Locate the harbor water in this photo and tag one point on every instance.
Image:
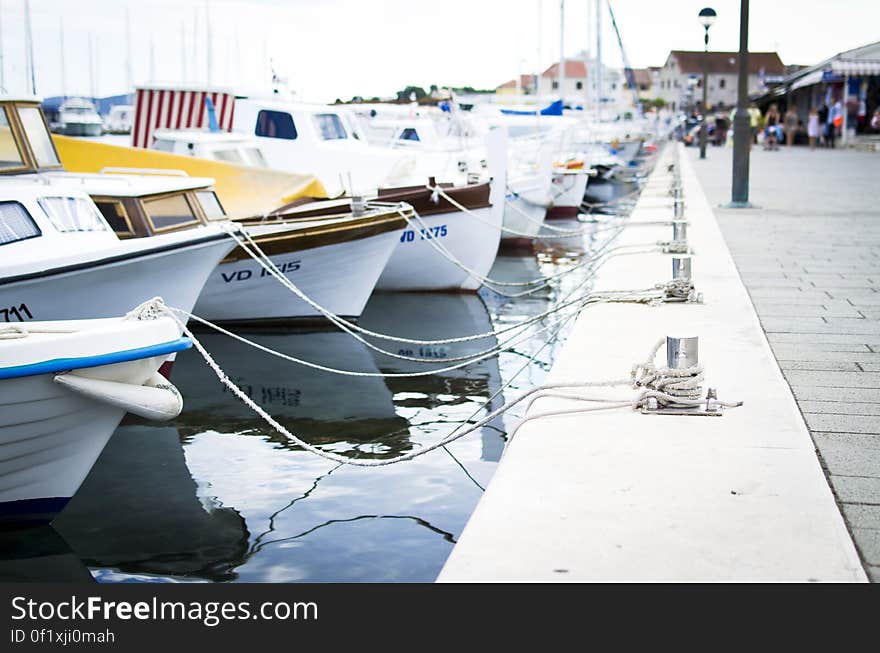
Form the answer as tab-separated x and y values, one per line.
217	495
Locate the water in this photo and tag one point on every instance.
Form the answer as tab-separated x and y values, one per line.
218	496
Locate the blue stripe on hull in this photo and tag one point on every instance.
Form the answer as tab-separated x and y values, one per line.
31	511
65	364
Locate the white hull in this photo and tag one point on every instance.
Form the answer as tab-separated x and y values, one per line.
113	288
417	265
49	440
569	189
525	209
339	277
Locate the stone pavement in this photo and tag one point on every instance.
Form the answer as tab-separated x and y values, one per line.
810	259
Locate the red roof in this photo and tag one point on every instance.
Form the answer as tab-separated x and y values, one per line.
573	68
725	62
525	81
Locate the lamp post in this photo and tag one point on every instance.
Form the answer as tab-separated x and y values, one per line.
707	18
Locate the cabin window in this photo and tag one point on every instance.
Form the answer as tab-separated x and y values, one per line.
16	224
38	137
330	127
163	145
10	156
254	157
409	134
72	214
211	205
275	124
115	215
229	156
169	211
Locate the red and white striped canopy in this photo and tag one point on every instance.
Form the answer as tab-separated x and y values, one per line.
157	108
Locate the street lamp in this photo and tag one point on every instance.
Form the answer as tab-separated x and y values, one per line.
707	18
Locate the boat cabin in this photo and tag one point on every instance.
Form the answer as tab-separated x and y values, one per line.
218	146
133	204
65	222
295	136
25	142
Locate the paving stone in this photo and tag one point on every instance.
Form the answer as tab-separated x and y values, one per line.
873	574
810	392
861	516
849	353
856	489
840	407
835	379
868	544
870	367
806	310
827	366
849	454
843	423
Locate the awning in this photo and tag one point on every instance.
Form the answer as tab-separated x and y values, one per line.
856	66
808	80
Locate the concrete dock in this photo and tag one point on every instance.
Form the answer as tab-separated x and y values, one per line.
810	259
622	496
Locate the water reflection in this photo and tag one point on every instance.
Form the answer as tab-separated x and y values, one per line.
219	495
139	512
39	554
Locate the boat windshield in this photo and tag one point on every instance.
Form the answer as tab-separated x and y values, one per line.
73	214
211	205
16	224
330	127
169	211
10	155
38	136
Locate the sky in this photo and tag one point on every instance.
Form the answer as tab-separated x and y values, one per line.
330	49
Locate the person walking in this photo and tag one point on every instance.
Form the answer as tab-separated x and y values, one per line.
823	124
813	127
771	120
791	123
754	122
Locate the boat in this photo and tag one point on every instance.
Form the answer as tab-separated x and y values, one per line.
60	259
64	387
334	259
120	119
470	236
570	181
78	117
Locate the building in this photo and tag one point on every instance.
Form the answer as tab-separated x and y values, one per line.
576	85
680	79
527	86
852	77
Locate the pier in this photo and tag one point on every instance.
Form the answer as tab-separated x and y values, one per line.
809	256
623	496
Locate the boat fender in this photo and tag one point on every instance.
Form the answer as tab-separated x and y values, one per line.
156	399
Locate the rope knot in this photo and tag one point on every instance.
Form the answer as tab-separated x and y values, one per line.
151	309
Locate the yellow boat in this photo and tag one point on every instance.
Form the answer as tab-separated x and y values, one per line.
244	191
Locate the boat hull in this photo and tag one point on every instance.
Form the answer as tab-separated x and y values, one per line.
568	191
50	438
340	277
416	264
111	287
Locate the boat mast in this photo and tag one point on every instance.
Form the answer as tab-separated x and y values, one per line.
560	73
208	51
587	65
129	78
63	66
29	44
183	51
2	71
599	59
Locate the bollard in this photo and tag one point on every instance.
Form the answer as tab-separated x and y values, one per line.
358	205
682	352
681	268
679	231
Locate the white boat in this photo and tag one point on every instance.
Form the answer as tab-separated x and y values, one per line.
78	117
64	387
527	201
59	258
569	186
334	260
120	119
